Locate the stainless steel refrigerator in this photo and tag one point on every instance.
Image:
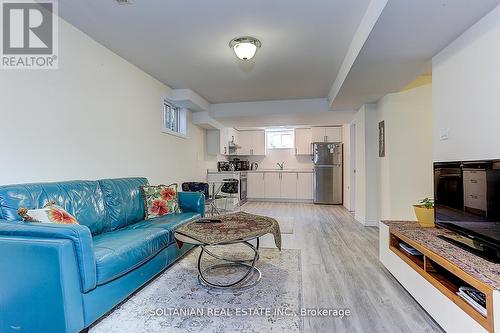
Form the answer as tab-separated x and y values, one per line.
327	158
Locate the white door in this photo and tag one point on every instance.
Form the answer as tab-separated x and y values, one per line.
288	185
303	139
255	185
245	141
258	143
318	134
304	186
272	185
333	134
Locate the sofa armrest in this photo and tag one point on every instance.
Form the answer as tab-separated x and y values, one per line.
39	286
78	234
192	202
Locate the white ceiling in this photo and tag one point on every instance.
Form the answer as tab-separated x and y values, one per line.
184	43
402	43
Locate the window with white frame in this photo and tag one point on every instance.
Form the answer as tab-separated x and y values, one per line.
174	119
280	139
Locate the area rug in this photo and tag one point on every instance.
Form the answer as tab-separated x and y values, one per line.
175	301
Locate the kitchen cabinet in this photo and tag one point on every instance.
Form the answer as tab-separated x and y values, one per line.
252	143
255	185
272	185
283	186
245	141
333	134
218	140
303	140
259	143
288	185
304	186
326	134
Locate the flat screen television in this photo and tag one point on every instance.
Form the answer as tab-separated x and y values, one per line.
467	201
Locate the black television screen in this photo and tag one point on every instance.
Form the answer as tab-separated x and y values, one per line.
467	201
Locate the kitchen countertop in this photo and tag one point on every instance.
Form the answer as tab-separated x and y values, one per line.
267	170
283	171
481	269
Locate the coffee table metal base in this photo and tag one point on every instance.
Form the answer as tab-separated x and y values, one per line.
248	280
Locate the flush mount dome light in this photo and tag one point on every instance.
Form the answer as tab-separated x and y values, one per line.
245	47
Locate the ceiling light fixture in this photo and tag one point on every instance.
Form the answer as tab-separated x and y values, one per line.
245	47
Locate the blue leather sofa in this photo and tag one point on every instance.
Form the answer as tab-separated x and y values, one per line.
62	278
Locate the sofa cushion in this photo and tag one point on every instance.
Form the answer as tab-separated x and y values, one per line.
168	222
160	200
124	200
50	213
120	251
82	199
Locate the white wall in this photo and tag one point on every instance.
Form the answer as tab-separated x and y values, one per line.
294	112
96	116
264	108
288	156
295	119
405	173
466	86
366	192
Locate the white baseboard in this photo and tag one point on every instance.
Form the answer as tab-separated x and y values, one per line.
371	223
366	223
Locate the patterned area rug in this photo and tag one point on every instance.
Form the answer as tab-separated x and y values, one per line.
175	301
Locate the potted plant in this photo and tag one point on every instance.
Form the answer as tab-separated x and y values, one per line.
425	212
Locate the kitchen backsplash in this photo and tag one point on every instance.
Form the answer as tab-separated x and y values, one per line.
274	156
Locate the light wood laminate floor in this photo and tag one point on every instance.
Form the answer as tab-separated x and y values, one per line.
340	269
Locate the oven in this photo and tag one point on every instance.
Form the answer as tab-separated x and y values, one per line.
243	187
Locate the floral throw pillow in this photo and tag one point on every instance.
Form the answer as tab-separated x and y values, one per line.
160	200
50	213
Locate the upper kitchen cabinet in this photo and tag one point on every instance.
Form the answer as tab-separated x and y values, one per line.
252	143
218	141
303	140
327	134
245	141
259	143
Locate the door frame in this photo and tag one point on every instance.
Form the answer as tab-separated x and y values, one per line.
352	165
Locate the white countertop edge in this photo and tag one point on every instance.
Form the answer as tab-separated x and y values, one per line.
265	171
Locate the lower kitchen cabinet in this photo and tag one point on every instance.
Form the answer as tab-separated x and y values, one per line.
255	185
288	185
281	186
272	185
304	186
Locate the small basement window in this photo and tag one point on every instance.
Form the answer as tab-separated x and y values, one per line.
174	120
281	139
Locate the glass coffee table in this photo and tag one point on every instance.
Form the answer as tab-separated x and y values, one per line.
235	228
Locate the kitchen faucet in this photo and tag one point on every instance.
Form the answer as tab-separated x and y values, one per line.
281	165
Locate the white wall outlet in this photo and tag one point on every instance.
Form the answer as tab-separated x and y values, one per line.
444	134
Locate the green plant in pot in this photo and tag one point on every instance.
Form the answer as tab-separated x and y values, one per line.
424	211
